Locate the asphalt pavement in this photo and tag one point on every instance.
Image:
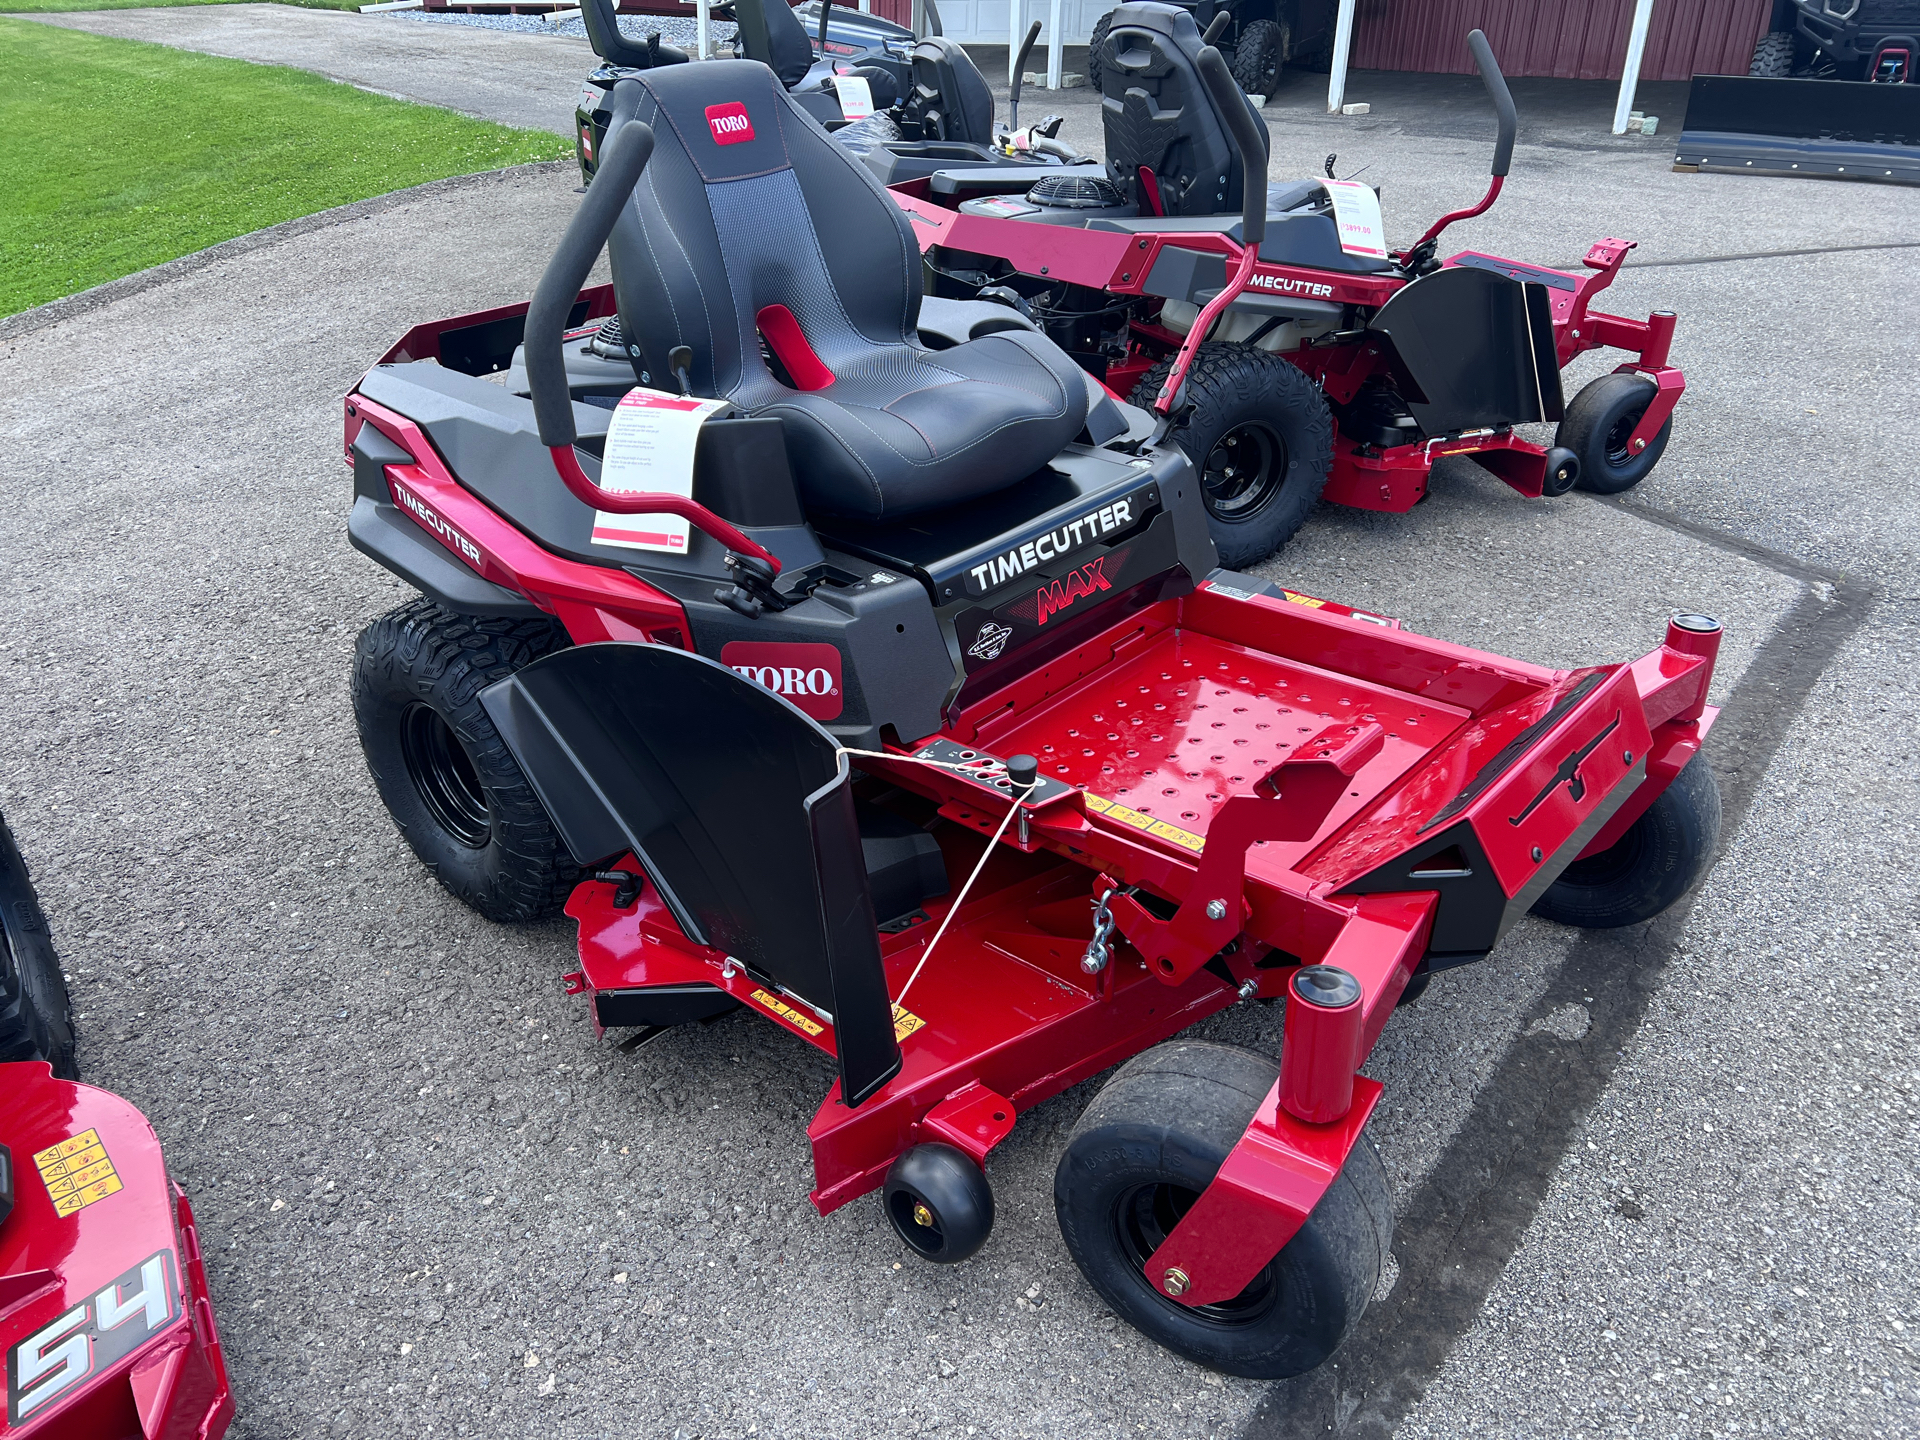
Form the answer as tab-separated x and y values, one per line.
1657	1183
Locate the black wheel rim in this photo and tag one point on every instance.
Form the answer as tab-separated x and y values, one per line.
1618	456
1244	471
445	777
1142	1221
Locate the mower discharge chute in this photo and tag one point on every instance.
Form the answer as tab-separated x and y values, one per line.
944	745
1293	354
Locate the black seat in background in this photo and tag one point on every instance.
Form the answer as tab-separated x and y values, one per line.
950	98
750	222
736	804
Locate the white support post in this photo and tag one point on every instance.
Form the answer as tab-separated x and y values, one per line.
1014	37
1056	50
866	7
702	15
1342	47
1630	72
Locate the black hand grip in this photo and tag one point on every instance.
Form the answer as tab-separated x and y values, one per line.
826	14
1019	68
1238	114
622	159
1502	98
1216	27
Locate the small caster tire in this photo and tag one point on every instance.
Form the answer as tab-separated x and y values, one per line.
1562	472
1659	859
1598	428
1139	1157
939	1202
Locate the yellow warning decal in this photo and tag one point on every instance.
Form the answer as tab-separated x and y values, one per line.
77	1172
905	1022
788	1013
1297	598
1186	839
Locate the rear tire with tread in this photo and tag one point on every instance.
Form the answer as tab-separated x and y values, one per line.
1260	57
36	1018
1096	40
454	790
1773	56
1238	396
1150	1142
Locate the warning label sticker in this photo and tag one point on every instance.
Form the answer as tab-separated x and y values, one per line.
649	447
1160	829
797	1018
905	1022
77	1172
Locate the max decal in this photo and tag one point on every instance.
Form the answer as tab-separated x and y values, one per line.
1076	585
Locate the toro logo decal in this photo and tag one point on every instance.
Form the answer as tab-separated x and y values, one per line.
807	675
1073	587
729	123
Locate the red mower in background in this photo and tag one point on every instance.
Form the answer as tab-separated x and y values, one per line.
105	1319
942	744
1290	354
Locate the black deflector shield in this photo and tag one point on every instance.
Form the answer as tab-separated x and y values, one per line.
738	806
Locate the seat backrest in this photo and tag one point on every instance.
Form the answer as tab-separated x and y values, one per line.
1159	115
748	214
771	33
950	97
739	808
603	33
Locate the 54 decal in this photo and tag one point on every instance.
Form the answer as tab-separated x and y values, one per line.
91	1337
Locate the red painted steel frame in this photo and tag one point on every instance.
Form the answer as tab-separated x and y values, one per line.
1310	743
55	1267
1363	477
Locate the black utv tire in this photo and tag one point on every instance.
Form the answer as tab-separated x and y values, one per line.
453	788
1597	427
1773	56
1096	42
1146	1147
1243	403
1659	859
1259	57
36	1019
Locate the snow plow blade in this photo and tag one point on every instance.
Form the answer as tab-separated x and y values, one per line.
1841	129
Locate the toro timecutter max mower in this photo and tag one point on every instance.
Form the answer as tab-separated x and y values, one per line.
1291	354
938	740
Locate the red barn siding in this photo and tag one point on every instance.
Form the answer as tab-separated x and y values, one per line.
1566	39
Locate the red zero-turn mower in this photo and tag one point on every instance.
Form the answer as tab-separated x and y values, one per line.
944	747
1294	355
104	1314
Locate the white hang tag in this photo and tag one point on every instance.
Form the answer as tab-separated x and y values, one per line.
855	95
1356	215
650	446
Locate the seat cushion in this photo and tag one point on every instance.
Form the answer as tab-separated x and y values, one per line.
901	429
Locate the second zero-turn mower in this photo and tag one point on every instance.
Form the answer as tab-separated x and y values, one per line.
1292	353
943	746
106	1325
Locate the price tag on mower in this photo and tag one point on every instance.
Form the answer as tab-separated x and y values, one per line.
855	96
650	446
1356	215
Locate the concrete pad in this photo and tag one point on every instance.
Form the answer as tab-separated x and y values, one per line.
528	81
398	1131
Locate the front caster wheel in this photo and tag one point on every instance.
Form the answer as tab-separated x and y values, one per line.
939	1203
1139	1157
1598	429
1658	860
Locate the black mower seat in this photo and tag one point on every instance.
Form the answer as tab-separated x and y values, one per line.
751	225
950	97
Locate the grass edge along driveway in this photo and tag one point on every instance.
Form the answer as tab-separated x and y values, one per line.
119	155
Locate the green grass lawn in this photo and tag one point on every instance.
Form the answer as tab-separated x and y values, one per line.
118	155
44	7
